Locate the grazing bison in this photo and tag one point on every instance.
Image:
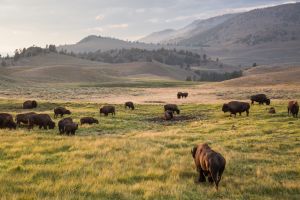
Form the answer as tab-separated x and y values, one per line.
172	107
29	104
293	108
88	120
168	115
236	107
41	120
129	105
272	110
7	121
261	99
182	95
23	118
70	128
62	123
208	163
108	109
61	111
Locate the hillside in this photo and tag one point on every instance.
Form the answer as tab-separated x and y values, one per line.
52	68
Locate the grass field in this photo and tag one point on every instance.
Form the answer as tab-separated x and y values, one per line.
136	155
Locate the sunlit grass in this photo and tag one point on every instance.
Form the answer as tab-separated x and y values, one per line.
131	157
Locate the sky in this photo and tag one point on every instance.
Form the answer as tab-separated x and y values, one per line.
24	23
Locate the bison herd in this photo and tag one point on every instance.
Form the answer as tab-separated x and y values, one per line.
209	164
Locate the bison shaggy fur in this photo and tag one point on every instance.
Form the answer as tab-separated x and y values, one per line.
107	110
236	107
88	120
70	128
24	118
209	164
293	108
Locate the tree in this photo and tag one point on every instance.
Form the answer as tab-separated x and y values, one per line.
3	63
17	55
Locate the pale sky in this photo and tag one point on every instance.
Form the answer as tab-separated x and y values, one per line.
39	22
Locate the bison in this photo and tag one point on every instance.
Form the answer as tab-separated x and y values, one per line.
236	107
172	107
108	109
182	95
168	115
62	123
129	105
61	111
272	110
88	120
23	118
7	121
30	104
70	128
261	99
293	108
41	120
208	163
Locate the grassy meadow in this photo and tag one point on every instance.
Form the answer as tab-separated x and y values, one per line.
137	155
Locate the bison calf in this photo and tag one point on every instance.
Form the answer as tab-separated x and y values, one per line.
7	121
208	163
107	110
169	115
61	111
29	104
272	110
236	107
129	105
88	120
172	107
293	108
261	99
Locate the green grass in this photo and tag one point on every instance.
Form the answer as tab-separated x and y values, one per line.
132	156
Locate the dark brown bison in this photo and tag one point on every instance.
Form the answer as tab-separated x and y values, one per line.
236	107
169	115
30	104
7	121
41	120
129	105
293	108
62	123
23	118
70	128
172	107
261	99
88	120
108	109
272	110
61	111
182	95
208	163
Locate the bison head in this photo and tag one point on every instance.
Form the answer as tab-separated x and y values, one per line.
178	111
268	101
68	112
101	110
96	121
12	125
34	104
193	151
225	108
51	125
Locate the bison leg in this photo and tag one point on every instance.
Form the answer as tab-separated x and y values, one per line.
201	178
247	111
210	179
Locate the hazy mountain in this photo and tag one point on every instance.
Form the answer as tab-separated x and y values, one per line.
94	43
158	37
268	25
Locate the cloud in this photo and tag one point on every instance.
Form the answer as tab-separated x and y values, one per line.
118	26
140	10
99	17
153	20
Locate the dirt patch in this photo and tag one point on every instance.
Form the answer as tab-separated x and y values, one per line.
177	119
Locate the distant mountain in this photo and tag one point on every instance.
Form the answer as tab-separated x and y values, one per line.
196	27
94	43
268	25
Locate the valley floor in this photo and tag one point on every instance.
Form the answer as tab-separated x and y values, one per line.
137	155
